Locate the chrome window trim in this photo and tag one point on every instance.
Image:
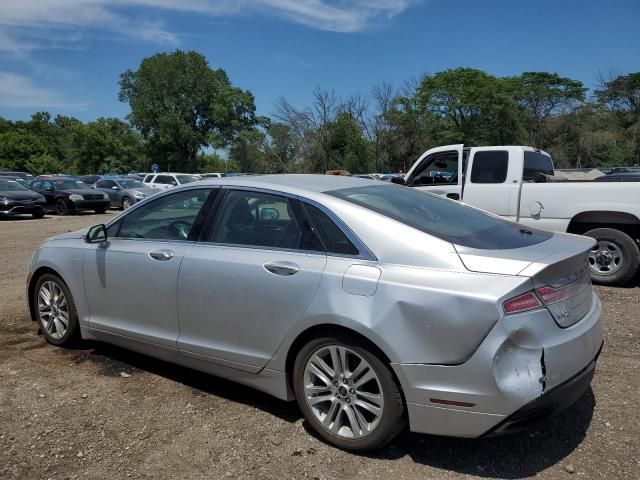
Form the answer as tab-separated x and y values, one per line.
364	252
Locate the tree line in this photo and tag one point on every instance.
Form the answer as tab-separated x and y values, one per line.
183	113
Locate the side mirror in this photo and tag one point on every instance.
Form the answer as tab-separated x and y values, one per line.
48	189
115	187
398	180
96	234
174	183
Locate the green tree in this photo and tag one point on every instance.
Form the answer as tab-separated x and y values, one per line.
541	95
45	163
348	148
181	105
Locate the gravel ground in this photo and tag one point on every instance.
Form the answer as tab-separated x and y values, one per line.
102	412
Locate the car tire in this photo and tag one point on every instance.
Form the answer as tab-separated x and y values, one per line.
101	210
38	215
126	203
349	400
615	259
61	207
52	317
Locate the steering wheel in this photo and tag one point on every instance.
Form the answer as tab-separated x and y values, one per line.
180	229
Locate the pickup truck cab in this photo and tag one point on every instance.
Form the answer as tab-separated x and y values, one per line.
517	183
164	181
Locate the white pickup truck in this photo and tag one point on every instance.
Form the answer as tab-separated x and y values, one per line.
516	183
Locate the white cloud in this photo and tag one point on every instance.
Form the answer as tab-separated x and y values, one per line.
34	24
18	91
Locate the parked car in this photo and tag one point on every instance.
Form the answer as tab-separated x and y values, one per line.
66	195
124	192
518	183
211	175
24	175
370	303
90	179
163	181
15	199
620	177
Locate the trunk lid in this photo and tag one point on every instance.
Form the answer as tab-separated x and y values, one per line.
557	267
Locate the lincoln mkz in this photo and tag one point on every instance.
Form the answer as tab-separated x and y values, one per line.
373	305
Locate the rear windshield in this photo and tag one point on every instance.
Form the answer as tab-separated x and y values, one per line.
536	163
442	218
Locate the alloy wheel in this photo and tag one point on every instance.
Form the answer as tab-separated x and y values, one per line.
53	309
126	203
343	392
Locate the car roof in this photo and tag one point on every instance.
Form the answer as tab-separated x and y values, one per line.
295	183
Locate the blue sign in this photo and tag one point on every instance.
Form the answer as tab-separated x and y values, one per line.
155	168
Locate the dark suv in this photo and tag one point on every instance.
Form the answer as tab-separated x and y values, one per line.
67	195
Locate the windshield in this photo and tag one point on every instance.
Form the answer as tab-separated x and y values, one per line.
69	184
130	184
187	178
10	186
442	218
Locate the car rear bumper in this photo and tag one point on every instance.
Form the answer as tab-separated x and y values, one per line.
524	366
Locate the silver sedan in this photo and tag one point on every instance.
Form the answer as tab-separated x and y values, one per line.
371	304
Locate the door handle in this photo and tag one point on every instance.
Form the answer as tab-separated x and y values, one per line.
453	196
161	255
284	269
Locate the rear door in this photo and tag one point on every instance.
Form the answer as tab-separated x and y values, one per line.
492	182
246	284
440	171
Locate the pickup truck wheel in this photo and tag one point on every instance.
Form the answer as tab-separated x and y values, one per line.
615	258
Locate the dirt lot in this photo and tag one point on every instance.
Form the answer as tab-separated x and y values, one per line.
73	414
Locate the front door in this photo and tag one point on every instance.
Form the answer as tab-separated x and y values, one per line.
241	291
440	171
131	280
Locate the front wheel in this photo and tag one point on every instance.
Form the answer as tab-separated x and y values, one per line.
347	393
55	311
61	207
126	203
101	210
38	214
615	258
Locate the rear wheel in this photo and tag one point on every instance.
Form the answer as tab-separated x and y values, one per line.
55	311
61	207
615	258
347	393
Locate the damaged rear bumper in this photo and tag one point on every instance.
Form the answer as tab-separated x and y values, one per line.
550	403
524	367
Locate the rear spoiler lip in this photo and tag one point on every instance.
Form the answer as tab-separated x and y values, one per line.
510	261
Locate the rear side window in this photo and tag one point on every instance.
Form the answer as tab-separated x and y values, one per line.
331	235
536	165
165	179
148	178
490	166
442	218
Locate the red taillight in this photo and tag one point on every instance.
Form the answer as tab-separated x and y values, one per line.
552	295
522	303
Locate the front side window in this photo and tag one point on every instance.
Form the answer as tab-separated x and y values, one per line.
442	218
168	218
148	178
262	220
440	168
490	166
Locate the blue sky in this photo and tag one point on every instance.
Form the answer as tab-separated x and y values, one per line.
65	56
